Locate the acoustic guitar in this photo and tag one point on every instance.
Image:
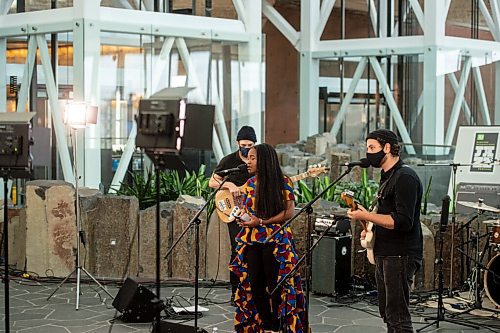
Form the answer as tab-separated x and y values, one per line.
369	242
228	206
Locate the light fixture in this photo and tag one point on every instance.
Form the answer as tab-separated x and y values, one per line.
79	114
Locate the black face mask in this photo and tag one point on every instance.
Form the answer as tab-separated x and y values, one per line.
244	151
376	158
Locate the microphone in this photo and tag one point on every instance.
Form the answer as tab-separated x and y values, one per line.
445	212
363	163
238	169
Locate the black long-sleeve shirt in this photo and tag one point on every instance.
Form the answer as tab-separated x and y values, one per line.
400	195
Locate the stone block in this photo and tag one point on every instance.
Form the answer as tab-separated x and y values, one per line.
111	225
218	249
424	279
147	241
299	162
17	236
318	143
337	161
50	227
184	253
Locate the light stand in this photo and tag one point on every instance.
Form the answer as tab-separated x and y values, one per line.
163	131
79	237
307	208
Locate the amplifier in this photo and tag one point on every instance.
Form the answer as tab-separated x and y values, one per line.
341	225
331	265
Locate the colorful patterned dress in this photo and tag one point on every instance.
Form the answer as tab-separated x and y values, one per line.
247	319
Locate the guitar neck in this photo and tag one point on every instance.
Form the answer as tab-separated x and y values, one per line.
300	176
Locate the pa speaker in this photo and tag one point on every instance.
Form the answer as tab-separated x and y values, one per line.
135	302
168	327
331	265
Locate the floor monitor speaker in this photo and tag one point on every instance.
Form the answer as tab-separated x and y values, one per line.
135	302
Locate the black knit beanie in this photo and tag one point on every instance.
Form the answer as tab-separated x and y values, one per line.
246	133
383	136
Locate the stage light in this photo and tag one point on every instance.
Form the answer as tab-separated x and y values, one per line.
79	114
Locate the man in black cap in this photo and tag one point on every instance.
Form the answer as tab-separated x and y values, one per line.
398	245
245	139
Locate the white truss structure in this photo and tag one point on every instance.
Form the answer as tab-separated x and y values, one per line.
441	56
88	20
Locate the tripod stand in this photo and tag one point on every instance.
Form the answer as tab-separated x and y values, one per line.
441	311
79	237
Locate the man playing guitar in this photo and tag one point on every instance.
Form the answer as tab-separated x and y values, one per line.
398	249
245	139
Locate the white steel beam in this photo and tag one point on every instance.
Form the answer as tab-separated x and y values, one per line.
348	96
386	10
465	106
369	47
5	6
309	70
373	15
281	23
481	95
251	67
149	5
393	107
434	88
455	110
86	57
167	24
87	8
420	106
27	75
57	117
489	20
240	10
23	24
419	14
162	63
122	168
496	15
472	47
325	12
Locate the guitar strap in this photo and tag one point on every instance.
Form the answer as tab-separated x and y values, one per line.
380	194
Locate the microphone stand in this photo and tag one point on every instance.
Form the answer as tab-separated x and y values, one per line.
454	167
195	221
307	208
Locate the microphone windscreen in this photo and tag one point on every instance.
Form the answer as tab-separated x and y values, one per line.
445	213
365	163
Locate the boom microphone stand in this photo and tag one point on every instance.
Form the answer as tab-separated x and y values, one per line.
195	221
439	261
454	167
307	255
